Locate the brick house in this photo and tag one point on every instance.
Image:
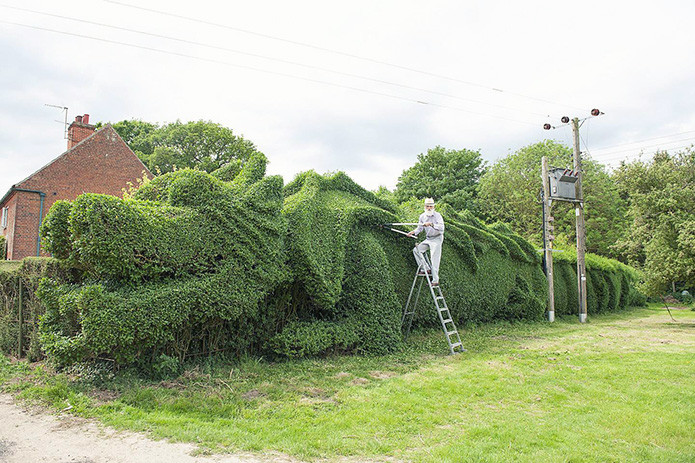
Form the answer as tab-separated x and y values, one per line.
97	161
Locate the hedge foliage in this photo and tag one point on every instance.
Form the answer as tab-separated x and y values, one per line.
344	296
25	275
610	285
185	267
194	263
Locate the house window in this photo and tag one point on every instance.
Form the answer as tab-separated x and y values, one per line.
5	211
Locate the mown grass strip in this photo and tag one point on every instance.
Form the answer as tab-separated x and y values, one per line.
618	388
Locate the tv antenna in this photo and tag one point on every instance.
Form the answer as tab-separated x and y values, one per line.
65	122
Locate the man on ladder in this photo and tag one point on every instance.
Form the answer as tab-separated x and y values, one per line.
432	222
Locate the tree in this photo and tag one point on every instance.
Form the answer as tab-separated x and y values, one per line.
509	192
450	176
661	241
200	145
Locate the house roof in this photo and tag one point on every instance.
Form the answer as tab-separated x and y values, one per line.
108	126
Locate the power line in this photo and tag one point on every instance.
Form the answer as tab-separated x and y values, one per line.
645	146
646	139
613	159
251	68
255	55
337	52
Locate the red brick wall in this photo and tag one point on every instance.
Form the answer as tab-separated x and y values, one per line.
22	225
103	163
8	232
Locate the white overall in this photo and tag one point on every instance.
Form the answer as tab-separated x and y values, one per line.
435	247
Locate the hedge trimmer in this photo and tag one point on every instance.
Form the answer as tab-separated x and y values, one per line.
389	226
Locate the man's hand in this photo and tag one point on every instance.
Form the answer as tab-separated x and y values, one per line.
410	234
427	224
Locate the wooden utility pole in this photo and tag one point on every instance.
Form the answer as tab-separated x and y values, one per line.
548	240
581	231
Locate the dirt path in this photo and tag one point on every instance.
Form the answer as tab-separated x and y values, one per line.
33	436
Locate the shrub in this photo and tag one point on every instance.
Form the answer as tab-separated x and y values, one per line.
353	277
194	263
184	267
27	275
610	284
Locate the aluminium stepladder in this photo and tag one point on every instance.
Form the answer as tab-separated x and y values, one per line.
450	331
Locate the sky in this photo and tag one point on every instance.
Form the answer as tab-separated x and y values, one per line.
362	87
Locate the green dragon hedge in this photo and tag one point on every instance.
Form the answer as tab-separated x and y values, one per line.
196	263
187	266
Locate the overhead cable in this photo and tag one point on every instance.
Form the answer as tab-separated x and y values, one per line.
252	68
281	60
337	52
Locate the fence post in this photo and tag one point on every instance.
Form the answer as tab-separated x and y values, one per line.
20	316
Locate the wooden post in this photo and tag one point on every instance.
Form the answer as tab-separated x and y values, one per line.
547	240
581	231
20	316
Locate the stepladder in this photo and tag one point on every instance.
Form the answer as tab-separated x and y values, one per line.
424	276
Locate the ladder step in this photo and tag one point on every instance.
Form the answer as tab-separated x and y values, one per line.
442	309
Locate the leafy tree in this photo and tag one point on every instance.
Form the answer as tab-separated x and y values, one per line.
137	134
661	241
450	176
201	145
510	192
385	194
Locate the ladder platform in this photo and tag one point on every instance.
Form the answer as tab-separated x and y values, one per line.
453	338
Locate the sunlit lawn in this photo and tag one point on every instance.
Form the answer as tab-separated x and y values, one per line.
619	388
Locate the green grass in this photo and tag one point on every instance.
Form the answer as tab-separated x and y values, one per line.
620	388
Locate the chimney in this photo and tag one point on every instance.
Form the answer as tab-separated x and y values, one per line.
79	130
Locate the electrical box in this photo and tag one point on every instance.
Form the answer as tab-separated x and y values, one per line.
562	183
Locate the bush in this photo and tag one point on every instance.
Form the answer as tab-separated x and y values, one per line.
683	296
610	285
185	267
194	263
27	275
353	277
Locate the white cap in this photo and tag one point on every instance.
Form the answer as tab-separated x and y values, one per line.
429	202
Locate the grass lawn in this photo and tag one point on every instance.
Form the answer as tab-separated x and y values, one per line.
619	388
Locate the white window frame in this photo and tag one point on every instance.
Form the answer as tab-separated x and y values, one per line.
5	213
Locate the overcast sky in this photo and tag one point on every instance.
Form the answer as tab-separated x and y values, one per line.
361	86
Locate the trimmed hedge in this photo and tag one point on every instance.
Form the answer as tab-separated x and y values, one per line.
344	296
354	277
610	285
194	263
185	267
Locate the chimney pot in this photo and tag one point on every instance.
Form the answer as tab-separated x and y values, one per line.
79	130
